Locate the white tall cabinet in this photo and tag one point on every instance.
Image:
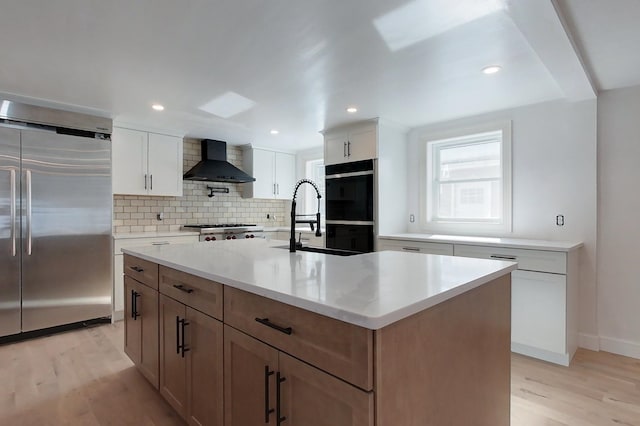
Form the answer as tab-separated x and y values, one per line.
146	163
354	143
275	173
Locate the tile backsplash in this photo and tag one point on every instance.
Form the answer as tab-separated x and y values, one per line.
138	213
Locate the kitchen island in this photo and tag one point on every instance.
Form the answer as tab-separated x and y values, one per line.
252	334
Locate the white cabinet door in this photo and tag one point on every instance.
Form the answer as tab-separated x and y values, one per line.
129	161
538	311
335	148
362	144
165	165
263	171
285	175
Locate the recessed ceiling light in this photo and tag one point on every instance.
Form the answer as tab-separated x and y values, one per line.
274	132
157	107
351	110
491	69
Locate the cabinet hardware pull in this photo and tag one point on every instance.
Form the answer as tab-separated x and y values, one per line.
274	189
267	410
137	269
277	189
183	346
180	346
344	149
160	243
151	182
503	257
181	287
145	181
265	321
279	418
177	334
411	248
348	149
134	304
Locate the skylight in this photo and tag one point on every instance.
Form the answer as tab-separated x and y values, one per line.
423	19
228	105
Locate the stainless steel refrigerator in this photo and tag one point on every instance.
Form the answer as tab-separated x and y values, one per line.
55	218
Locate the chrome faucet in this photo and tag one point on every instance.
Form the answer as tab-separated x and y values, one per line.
292	240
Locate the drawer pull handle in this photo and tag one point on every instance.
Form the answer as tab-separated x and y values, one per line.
503	257
411	248
183	288
160	243
265	321
137	269
134	304
181	347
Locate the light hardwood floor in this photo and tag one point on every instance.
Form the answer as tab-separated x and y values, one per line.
84	378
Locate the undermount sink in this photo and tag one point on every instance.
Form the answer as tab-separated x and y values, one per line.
336	252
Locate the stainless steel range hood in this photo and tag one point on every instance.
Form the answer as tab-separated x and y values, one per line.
214	166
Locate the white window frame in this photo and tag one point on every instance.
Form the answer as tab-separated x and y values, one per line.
465	227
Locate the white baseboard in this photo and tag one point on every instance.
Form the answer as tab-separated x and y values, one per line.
545	355
620	347
589	341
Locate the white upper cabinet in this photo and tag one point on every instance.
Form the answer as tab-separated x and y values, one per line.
349	144
275	174
146	163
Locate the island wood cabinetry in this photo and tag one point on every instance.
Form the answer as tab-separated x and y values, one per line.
448	364
275	174
191	346
141	316
126	240
146	163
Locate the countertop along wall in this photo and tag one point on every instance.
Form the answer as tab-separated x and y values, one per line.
554	172
133	213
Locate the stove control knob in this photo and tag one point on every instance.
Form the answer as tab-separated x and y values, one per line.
252	236
207	239
213	238
233	237
228	237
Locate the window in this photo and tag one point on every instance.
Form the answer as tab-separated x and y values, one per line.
314	170
467	181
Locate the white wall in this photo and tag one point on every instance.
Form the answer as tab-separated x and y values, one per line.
554	172
619	221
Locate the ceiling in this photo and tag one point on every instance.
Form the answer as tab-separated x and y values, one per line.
301	63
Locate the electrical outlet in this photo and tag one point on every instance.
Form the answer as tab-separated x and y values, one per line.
268	216
412	218
560	220
160	216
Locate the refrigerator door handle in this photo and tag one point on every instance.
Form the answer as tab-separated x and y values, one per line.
29	225
13	213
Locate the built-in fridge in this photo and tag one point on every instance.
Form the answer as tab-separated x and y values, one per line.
55	218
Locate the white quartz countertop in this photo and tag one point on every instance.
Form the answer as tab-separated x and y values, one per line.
371	290
565	246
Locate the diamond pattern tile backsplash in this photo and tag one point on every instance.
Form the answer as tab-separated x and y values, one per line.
138	213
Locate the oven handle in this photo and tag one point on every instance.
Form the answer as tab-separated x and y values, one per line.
350	174
349	222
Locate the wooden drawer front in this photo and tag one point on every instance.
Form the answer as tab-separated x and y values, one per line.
141	270
199	293
530	260
416	247
342	349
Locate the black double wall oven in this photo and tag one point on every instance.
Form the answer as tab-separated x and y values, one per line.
349	192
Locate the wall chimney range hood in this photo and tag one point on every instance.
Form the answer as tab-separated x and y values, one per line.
214	166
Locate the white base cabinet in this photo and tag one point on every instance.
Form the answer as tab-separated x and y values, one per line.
146	163
544	294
